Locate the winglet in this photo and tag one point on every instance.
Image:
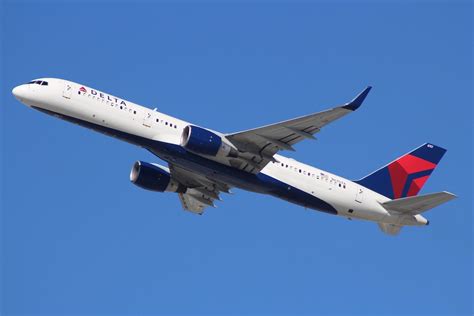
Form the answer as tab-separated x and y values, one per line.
357	102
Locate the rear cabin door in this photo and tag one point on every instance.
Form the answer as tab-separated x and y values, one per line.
360	195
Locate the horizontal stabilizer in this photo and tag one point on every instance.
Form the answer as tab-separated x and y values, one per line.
390	229
418	204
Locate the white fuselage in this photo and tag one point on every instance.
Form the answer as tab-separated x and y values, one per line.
68	99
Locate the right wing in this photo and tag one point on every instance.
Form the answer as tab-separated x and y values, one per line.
194	202
201	192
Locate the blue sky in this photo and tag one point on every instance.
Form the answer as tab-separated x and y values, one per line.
79	238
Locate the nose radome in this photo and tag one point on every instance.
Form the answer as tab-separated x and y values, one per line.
19	91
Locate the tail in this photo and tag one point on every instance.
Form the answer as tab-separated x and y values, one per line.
406	175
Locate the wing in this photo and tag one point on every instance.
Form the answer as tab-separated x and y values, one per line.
257	146
201	192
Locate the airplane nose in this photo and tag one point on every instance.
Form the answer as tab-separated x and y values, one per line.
19	91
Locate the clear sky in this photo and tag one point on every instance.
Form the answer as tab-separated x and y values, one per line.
79	238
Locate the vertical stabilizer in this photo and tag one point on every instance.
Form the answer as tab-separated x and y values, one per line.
406	175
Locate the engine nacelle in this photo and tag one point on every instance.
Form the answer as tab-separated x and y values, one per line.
154	177
205	142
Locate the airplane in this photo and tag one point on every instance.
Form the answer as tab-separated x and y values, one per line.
202	163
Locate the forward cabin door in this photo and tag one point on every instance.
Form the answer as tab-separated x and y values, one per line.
360	195
147	119
67	92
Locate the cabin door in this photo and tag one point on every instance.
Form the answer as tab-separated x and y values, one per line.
147	119
67	92
360	195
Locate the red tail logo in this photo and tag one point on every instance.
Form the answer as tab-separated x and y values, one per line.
409	173
406	175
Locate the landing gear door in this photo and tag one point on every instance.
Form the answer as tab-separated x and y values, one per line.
67	92
360	195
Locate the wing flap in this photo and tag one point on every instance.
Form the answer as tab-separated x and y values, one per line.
201	192
191	204
418	204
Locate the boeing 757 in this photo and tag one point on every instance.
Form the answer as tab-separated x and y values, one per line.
202	163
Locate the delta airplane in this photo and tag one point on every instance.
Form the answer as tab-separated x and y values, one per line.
202	162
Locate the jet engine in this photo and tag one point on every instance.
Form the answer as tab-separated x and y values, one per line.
154	177
202	141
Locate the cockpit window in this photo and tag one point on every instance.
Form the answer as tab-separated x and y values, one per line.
41	83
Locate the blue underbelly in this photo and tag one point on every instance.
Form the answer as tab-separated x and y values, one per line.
172	153
260	183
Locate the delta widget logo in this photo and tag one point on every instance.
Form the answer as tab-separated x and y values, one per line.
408	174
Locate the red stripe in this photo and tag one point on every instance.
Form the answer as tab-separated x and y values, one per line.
398	176
416	185
412	164
400	169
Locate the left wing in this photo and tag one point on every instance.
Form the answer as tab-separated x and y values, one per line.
257	146
201	192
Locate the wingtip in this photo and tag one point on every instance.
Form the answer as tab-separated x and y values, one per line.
358	100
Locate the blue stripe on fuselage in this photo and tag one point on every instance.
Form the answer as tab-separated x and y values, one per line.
176	154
